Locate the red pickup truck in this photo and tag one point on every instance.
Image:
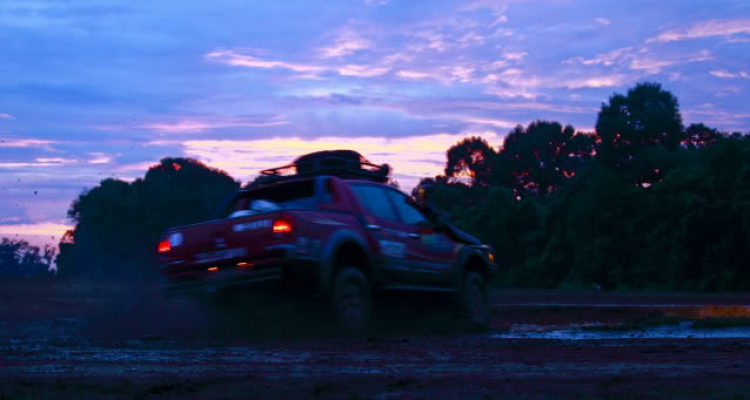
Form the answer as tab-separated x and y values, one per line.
335	224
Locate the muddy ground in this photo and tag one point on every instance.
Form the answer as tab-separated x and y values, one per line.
64	339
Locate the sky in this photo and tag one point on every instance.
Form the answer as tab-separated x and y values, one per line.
97	89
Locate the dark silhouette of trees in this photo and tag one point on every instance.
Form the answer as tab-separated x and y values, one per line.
644	204
647	117
20	259
118	223
537	160
471	158
699	135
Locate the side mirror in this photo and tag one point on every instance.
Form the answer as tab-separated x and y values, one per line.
422	194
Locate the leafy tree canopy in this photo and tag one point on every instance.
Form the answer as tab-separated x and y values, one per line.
471	158
118	223
646	117
539	158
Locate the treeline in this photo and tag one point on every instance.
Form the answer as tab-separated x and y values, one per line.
118	223
642	203
20	259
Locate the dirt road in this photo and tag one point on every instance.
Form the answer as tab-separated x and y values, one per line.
68	340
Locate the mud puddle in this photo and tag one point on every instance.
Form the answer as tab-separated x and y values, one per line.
597	331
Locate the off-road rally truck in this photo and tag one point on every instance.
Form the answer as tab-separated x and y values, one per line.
330	221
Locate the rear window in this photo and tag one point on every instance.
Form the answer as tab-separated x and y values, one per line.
285	196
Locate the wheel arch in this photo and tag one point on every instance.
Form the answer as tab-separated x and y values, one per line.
471	259
345	247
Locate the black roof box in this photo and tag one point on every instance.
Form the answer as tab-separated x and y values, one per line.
341	163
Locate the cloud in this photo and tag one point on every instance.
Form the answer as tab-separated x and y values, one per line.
56	160
485	121
641	58
365	71
724	74
609	58
145	165
39	162
495	6
604	81
6	116
502	19
344	48
347	42
602	21
233	58
710	114
197	125
710	28
25	143
514	56
416	75
306	71
430	40
654	65
512	92
99	158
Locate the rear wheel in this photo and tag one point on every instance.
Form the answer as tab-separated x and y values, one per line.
351	300
475	300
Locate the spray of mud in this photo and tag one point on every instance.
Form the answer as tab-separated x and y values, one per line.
143	310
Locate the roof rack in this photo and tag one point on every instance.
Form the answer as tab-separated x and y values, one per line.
346	164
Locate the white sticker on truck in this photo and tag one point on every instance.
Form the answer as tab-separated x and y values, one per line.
264	223
220	255
392	249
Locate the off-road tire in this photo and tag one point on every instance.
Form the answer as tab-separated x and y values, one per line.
475	302
351	300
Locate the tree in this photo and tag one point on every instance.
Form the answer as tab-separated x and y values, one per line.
647	117
19	259
118	223
699	135
471	158
538	159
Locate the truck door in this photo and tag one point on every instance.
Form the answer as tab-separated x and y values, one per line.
432	252
385	230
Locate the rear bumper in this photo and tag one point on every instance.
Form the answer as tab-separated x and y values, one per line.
289	267
222	280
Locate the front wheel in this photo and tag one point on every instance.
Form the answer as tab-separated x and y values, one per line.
475	300
351	299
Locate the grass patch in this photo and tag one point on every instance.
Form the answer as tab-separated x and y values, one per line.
718	323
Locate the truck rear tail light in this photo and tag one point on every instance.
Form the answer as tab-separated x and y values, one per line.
281	226
174	240
164	246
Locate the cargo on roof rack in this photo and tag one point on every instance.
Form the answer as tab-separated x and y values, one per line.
340	163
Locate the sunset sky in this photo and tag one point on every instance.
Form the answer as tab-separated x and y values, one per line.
95	89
